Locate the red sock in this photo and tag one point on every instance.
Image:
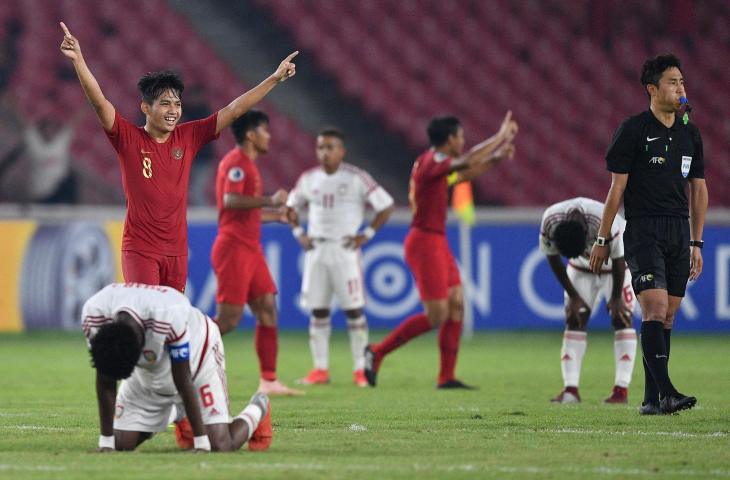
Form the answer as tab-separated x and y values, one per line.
266	348
449	335
411	327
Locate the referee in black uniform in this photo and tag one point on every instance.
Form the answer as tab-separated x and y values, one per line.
654	155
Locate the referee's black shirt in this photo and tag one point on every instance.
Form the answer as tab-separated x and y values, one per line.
659	160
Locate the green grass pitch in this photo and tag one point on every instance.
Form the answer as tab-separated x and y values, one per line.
404	428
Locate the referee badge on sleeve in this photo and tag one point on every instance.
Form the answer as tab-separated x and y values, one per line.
686	164
236	174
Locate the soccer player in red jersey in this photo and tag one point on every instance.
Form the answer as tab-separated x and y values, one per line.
426	248
155	161
237	257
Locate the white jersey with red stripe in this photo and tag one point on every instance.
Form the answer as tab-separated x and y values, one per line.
172	326
592	211
337	201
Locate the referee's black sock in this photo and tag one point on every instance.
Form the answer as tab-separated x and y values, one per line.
656	356
651	391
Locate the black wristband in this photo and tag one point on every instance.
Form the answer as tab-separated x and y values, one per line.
697	243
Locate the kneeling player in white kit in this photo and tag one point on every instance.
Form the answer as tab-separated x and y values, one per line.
167	354
569	228
336	195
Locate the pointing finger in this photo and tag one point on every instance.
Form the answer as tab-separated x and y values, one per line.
291	55
65	29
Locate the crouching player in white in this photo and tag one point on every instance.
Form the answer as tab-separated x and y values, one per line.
569	228
167	354
335	195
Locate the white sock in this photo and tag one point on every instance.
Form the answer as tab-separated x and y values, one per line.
252	416
624	351
319	341
358	330
571	356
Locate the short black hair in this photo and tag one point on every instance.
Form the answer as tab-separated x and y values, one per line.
332	132
440	128
247	122
653	68
154	84
115	349
570	238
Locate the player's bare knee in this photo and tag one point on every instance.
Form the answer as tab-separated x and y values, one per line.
226	323
576	322
354	313
321	312
264	309
620	322
437	313
126	441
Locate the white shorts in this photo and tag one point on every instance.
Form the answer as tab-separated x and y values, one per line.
140	409
594	288
331	269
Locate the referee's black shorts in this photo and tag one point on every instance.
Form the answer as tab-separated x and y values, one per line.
657	253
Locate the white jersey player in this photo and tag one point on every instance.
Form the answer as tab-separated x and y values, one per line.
569	229
335	195
169	354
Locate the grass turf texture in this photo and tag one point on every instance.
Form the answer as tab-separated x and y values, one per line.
404	428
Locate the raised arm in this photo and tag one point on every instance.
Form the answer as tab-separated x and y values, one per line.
482	152
71	49
599	255
242	104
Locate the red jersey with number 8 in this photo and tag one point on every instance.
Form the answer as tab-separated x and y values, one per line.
155	178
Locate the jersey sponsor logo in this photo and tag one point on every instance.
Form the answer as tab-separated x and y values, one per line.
177	153
119	411
236	174
150	356
650	139
180	353
686	164
658	161
342	189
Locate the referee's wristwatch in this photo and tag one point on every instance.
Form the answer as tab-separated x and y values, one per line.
697	243
602	241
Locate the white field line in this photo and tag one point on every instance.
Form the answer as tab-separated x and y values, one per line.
40	428
31	468
577	431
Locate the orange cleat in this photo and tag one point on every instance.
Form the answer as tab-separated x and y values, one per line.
358	378
184	434
316	377
263	435
276	388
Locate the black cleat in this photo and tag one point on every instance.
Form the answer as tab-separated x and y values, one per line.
676	402
371	374
455	384
649	408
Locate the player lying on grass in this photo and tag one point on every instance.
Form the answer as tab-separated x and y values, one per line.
167	354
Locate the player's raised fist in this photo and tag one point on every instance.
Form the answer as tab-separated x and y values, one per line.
505	152
287	68
69	45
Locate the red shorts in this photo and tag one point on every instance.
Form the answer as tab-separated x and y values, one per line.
241	272
151	269
432	264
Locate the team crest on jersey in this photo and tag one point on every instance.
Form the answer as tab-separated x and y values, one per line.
686	164
236	174
150	356
342	189
119	411
177	153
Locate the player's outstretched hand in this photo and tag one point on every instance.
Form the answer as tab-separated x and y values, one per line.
287	68
70	46
279	198
620	313
508	129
